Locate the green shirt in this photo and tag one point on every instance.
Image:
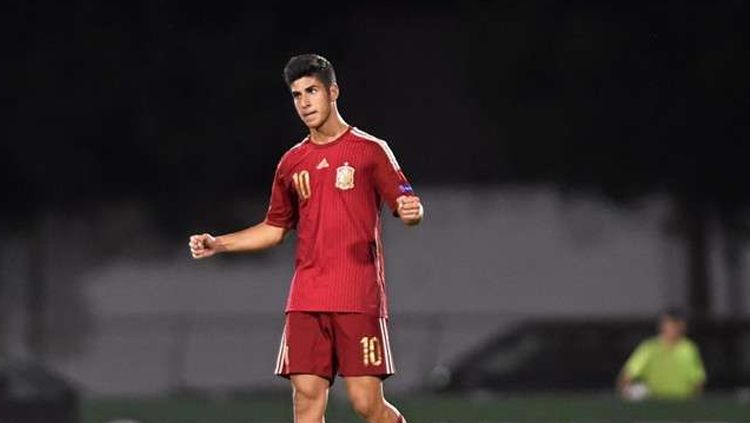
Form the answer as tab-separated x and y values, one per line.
668	372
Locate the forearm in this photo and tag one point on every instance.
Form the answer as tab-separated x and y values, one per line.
254	238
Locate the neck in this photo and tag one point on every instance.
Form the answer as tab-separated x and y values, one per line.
331	129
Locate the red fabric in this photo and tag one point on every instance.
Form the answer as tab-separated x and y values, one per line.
332	195
327	344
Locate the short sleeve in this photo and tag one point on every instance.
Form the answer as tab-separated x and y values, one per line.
390	180
636	364
282	207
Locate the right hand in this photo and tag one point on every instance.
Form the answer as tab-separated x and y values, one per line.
203	246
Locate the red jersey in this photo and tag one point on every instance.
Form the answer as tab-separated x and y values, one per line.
332	194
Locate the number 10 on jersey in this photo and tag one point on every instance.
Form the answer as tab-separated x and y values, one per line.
371	355
302	184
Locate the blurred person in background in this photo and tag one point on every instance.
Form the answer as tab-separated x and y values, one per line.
667	366
330	188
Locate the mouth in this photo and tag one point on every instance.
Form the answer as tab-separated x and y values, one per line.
308	114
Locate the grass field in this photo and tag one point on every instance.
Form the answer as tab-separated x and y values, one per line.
426	409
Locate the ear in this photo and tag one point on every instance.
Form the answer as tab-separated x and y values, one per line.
333	91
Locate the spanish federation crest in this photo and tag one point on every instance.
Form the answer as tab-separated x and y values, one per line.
345	177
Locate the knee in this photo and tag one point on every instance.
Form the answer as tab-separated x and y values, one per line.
365	404
308	395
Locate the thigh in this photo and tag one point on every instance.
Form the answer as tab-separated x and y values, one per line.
307	346
362	345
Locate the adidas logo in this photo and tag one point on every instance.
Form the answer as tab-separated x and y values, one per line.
323	164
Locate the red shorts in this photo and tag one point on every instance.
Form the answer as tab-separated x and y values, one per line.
327	344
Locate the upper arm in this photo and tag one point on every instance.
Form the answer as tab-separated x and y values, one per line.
273	233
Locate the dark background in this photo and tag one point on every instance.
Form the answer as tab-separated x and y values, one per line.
173	101
181	104
180	107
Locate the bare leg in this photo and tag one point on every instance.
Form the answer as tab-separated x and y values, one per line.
310	395
366	395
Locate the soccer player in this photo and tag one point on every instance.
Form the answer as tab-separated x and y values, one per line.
330	188
667	366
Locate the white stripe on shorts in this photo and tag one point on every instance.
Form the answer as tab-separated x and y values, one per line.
281	356
389	367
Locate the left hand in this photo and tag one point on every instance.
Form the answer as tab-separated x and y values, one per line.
410	209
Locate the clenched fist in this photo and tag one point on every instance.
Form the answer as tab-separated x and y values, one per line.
410	209
204	245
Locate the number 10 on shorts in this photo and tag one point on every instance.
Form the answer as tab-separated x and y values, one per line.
371	355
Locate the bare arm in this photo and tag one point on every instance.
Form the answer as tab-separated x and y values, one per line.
254	238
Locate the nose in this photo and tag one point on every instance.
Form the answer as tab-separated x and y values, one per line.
305	102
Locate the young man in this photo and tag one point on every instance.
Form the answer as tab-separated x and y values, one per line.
667	366
330	188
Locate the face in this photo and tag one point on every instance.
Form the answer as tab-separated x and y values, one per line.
670	329
313	101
